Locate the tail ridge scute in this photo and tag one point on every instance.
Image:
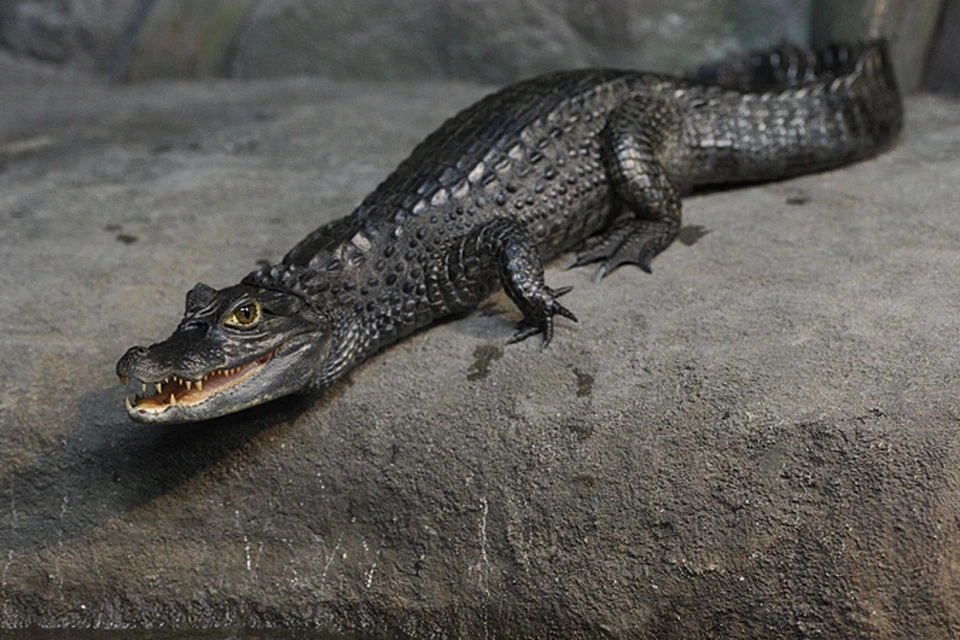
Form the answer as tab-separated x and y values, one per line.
790	66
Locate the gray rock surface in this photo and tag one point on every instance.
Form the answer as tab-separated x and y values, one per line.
760	440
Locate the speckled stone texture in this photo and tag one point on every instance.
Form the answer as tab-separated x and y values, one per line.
762	439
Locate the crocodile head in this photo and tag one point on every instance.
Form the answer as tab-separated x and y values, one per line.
235	348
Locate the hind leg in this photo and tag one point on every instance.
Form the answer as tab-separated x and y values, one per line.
639	143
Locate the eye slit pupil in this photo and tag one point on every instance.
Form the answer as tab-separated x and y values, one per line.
244	315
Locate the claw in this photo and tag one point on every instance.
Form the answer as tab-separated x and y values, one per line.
610	265
547	337
629	241
541	319
566	313
523	333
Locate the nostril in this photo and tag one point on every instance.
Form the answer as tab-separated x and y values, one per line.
131	360
134	353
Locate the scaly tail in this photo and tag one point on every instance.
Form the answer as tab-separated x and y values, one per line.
781	68
789	112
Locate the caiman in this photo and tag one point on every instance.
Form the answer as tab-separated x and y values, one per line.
594	159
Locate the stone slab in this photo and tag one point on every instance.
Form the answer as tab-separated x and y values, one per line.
760	440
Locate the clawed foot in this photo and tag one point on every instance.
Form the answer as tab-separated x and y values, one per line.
630	241
540	318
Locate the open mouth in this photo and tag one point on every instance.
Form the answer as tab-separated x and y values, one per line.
175	391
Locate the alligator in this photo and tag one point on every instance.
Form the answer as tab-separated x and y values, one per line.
594	159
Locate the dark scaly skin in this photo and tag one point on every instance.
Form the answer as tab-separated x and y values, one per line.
525	174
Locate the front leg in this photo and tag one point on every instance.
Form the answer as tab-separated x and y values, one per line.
506	246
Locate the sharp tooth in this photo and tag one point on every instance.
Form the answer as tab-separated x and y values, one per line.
159	387
143	387
127	402
200	384
188	384
173	400
123	380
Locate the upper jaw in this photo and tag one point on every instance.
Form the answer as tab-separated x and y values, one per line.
178	398
170	395
287	368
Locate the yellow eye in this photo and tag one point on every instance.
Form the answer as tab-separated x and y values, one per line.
244	316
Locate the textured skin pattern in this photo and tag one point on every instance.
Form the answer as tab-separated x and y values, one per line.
541	166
